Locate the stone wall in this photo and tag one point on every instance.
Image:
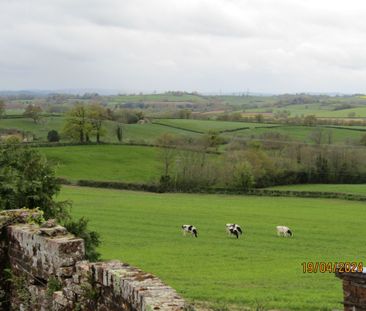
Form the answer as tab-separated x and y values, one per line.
48	272
354	290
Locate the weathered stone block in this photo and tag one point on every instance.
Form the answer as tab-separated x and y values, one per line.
54	231
59	301
50	223
44	255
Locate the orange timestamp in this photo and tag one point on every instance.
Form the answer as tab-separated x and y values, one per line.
331	267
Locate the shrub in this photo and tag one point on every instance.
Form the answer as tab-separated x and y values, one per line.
53	136
28	180
91	238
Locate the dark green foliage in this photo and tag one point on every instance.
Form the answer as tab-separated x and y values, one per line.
184	114
91	238
165	183
2	107
119	133
53	285
119	185
53	136
303	194
28	180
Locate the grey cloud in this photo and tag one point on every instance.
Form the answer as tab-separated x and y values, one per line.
264	45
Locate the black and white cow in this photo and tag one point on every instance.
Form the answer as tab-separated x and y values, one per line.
191	229
284	231
234	229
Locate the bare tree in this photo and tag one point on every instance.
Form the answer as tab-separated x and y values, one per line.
316	136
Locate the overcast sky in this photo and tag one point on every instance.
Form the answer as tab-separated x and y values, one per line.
273	46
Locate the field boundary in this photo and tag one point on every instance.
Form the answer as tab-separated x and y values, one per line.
178	127
308	194
345	128
219	131
40	145
255	192
21	116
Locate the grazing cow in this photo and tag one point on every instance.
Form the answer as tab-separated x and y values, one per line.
284	231
234	229
191	229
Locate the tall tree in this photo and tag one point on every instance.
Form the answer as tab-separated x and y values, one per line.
2	107
317	135
119	133
33	112
78	126
167	153
96	114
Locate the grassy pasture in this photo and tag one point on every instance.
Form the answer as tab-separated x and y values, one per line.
13	111
247	101
157	98
180	127
315	109
143	229
135	132
40	129
359	112
107	163
296	110
143	132
344	188
302	133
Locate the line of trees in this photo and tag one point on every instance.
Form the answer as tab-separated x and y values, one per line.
86	121
186	164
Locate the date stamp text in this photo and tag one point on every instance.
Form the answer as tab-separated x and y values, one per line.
331	267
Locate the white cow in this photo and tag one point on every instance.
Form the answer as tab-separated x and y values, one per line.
191	229
234	229
284	231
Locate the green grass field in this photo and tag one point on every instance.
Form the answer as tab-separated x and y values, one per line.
302	133
148	133
259	269
105	162
143	132
13	111
315	109
40	129
163	98
344	188
135	132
